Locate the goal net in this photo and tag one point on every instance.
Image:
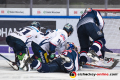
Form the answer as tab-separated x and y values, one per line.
112	28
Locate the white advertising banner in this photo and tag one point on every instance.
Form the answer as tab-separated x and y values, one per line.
58	11
49	11
14	11
42	11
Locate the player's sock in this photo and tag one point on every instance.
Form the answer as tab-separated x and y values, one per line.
40	67
68	63
69	66
97	45
36	64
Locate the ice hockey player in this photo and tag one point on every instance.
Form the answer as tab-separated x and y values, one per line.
44	46
67	61
90	24
19	40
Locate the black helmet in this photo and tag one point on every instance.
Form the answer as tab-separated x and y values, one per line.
36	24
68	28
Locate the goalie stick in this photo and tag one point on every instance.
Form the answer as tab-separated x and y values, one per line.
105	67
11	63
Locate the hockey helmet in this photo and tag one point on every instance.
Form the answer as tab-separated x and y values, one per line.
68	28
35	24
70	45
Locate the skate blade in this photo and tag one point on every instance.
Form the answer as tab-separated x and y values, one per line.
15	67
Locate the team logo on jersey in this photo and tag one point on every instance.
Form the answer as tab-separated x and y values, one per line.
63	36
28	36
72	74
99	33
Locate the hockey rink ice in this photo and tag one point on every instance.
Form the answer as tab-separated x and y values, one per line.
7	73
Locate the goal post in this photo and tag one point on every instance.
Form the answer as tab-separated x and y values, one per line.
111	28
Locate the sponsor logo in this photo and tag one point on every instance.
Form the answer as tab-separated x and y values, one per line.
56	12
14	11
75	12
42	57
38	12
28	36
2	11
20	53
63	36
81	12
72	74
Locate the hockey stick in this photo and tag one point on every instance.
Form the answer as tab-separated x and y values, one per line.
105	67
5	58
110	59
11	63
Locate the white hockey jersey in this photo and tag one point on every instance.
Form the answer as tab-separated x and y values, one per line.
56	37
26	34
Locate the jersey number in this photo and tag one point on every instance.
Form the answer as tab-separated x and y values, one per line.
25	32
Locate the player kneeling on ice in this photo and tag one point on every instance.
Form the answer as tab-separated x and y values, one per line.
19	41
90	25
67	61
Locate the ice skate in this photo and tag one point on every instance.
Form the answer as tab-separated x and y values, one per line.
13	65
23	61
91	54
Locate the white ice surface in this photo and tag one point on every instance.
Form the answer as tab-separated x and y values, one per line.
7	73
